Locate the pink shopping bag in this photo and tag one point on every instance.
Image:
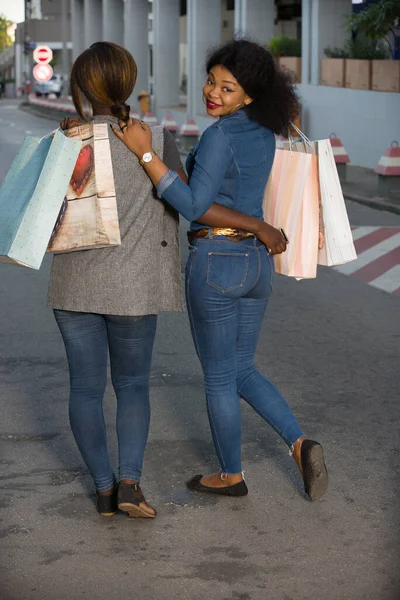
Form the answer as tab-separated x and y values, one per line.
291	201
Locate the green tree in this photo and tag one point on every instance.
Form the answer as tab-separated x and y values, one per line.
377	21
5	39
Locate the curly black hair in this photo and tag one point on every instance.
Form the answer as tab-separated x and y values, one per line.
275	102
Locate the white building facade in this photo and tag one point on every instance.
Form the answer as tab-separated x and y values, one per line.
170	52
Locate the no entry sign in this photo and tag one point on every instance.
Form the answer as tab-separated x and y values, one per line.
42	55
42	72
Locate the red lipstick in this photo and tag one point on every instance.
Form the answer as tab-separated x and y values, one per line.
212	105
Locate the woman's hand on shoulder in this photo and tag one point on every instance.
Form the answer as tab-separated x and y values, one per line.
136	136
272	238
70	122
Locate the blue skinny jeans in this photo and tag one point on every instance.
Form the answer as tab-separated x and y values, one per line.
228	285
88	339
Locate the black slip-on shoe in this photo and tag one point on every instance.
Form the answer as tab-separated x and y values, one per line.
313	469
238	489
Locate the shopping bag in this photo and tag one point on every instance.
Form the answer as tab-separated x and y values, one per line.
291	201
339	246
91	218
31	196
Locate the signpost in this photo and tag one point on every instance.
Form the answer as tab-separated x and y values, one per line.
42	55
42	72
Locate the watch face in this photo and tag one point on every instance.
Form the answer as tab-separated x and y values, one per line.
147	157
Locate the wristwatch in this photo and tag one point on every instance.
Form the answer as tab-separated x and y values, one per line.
146	158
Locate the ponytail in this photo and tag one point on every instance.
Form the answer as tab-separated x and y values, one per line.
121	111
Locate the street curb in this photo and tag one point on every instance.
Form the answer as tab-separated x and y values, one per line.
45	113
376	202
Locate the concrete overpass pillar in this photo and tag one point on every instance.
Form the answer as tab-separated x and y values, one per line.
166	53
113	21
92	22
77	20
255	18
136	40
203	32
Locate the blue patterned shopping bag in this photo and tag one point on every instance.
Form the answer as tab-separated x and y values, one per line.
31	196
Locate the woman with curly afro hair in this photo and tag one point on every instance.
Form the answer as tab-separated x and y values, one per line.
229	274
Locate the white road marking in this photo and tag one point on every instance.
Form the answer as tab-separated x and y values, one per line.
371	254
362	231
389	281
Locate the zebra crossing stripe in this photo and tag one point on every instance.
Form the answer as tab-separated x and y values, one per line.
378	262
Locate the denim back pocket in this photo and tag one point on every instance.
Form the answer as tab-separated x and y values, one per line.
227	271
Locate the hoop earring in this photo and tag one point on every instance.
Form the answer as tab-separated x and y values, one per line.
238	104
204	100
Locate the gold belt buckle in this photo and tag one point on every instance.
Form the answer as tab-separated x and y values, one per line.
224	231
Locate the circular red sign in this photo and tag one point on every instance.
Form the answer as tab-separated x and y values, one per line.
42	54
42	72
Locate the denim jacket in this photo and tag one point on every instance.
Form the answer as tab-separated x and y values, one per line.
230	165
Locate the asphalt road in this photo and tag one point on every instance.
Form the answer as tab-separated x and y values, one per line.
331	345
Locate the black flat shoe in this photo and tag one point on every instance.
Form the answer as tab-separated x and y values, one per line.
238	489
309	457
315	475
132	501
107	504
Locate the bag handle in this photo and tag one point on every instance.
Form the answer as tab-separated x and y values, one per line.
301	134
50	134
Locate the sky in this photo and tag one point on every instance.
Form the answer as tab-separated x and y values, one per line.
13	10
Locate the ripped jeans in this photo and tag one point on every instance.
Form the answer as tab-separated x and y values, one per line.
228	285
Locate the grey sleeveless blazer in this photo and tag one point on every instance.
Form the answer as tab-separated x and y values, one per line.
140	277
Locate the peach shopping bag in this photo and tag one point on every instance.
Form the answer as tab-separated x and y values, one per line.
291	201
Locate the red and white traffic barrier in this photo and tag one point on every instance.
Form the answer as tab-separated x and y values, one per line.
150	119
339	153
190	128
389	164
169	123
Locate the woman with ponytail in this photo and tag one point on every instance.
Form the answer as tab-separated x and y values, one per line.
106	301
229	274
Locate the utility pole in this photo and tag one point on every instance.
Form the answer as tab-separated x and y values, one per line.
65	28
25	43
